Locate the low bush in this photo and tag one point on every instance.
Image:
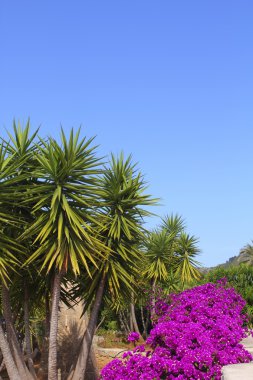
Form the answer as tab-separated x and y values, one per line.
197	332
238	277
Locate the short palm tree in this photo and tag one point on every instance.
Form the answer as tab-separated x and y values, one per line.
247	253
169	250
173	224
159	256
187	267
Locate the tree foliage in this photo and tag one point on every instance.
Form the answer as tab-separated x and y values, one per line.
171	253
72	228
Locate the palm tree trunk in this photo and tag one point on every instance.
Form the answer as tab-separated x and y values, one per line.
123	325
47	319
92	371
144	324
135	324
153	301
133	316
52	354
27	333
42	374
126	320
121	322
81	365
2	367
12	336
131	322
8	358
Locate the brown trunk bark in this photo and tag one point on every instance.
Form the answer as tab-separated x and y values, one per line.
144	324
133	315
8	358
126	321
42	374
152	312
12	337
52	354
92	371
135	324
123	323
2	366
47	320
28	347
81	365
122	326
131	321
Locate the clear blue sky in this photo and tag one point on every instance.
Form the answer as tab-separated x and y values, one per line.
169	81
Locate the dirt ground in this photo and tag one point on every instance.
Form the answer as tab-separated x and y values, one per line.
102	361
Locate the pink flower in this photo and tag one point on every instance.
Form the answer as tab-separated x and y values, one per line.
133	337
196	333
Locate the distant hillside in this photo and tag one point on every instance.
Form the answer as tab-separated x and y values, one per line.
243	257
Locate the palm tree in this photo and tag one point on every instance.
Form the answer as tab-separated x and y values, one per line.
122	192
187	267
15	163
159	251
247	254
169	252
173	224
8	246
64	199
160	246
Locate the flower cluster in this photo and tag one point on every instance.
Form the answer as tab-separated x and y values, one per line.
133	337
198	333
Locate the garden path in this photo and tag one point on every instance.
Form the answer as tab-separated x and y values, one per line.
242	371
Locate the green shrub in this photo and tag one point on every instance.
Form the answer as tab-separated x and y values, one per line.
112	325
240	278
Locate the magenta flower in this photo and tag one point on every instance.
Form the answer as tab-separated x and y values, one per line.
133	337
196	333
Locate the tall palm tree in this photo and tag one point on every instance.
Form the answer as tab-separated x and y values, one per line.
8	248
19	152
122	192
64	200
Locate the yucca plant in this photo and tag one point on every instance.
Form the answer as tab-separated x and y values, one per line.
63	199
16	168
123	198
187	267
159	255
8	248
169	250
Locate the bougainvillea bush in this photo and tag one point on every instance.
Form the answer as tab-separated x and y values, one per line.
198	331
